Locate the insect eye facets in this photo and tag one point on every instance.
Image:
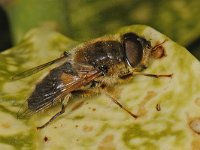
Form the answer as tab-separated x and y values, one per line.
133	49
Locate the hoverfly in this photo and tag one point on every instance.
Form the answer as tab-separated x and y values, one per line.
90	67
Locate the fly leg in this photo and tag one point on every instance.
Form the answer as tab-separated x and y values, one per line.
54	117
102	88
127	76
63	106
118	103
153	75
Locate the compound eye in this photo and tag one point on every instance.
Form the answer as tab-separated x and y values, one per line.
133	49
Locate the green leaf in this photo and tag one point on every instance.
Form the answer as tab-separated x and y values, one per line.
98	123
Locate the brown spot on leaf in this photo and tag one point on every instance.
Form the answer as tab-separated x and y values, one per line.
196	145
142	111
46	138
150	95
87	128
197	101
107	143
195	125
5	125
93	109
158	108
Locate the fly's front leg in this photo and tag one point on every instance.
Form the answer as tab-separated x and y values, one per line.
127	76
64	101
153	75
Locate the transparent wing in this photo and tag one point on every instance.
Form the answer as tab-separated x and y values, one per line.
36	69
51	96
25	112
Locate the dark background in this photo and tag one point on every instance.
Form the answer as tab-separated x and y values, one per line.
5	34
86	19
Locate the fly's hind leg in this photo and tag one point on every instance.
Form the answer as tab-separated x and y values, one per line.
64	101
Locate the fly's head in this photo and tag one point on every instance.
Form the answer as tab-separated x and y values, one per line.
138	51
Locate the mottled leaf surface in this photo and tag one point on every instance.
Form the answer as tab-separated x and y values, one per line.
98	123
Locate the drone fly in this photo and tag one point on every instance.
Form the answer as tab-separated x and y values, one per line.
91	67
